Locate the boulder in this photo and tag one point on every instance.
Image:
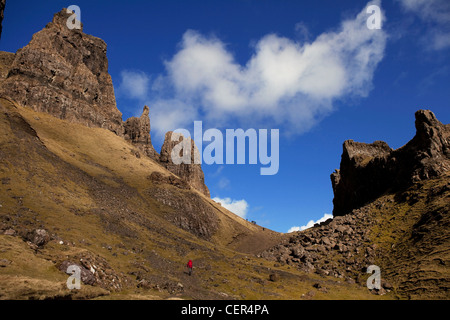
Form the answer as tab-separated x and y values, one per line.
86	276
37	237
9	232
274	277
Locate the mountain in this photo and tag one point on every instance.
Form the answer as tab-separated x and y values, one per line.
65	73
391	209
80	186
369	170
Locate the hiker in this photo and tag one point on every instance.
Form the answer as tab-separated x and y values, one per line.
189	266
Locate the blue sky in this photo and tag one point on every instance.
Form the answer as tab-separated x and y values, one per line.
311	69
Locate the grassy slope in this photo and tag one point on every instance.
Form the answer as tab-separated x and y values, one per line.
86	187
413	239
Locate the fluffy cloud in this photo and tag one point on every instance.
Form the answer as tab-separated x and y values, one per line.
311	223
170	114
437	14
285	82
238	207
134	84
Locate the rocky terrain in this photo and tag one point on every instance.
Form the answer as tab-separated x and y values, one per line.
80	186
65	73
391	209
369	170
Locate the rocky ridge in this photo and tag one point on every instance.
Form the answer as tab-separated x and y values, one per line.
367	171
64	73
392	210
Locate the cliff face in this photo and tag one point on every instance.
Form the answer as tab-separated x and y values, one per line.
391	209
192	173
65	73
367	171
2	8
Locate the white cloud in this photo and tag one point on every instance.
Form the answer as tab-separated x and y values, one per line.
285	82
238	207
170	114
437	14
311	223
223	183
134	84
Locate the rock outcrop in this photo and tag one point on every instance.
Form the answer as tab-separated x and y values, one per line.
65	73
367	171
192	173
137	131
6	60
338	247
2	8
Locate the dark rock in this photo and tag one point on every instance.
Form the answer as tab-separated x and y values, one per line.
38	237
386	285
298	251
86	276
191	172
274	277
317	285
144	284
369	170
65	73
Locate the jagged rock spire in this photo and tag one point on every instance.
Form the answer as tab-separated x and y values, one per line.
191	173
369	170
65	73
137	131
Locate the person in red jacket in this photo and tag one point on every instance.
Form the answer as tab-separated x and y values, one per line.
189	266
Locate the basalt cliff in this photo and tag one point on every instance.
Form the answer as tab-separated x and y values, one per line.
65	73
391	209
369	170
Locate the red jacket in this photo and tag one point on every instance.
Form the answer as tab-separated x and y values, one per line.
189	264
